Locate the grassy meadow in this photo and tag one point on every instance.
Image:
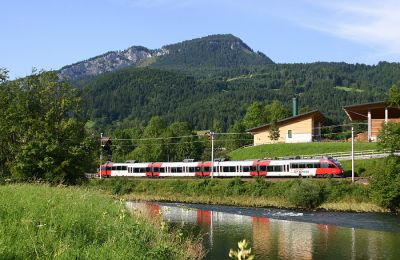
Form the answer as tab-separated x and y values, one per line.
42	222
280	150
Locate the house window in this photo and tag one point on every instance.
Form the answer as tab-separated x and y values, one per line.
289	133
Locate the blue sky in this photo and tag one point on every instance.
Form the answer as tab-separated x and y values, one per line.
48	34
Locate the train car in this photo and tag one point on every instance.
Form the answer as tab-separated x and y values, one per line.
139	169
235	168
267	168
105	170
110	169
177	169
300	167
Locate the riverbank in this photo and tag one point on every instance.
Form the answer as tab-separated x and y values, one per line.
38	221
316	194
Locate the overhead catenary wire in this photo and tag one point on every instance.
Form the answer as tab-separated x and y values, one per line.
142	141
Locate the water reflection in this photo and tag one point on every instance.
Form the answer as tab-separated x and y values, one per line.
272	238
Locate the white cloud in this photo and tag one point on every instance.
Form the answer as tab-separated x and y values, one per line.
373	23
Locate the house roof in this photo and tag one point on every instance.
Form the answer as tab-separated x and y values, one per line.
318	116
377	109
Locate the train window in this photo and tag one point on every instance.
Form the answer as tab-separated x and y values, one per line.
198	169
317	165
294	165
207	169
324	165
275	168
156	169
331	165
246	168
148	169
124	168
113	168
162	169
108	168
178	169
119	168
310	165
192	169
215	169
263	168
173	169
103	167
302	165
253	168
229	169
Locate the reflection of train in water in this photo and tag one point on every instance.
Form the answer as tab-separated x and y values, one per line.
267	168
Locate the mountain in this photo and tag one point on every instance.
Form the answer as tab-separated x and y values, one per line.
107	62
215	51
210	81
217	100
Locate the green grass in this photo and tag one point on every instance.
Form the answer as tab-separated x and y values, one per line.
41	222
363	167
348	89
280	150
259	193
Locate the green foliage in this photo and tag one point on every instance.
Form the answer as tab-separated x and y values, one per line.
254	115
385	184
389	137
393	98
276	111
305	194
3	75
237	137
158	142
42	133
261	192
41	222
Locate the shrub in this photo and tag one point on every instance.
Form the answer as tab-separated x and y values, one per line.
385	184
305	194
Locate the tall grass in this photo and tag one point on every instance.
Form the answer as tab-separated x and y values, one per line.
304	193
41	222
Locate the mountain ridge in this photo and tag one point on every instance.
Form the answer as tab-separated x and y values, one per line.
220	50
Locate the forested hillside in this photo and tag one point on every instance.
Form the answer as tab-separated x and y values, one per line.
217	98
215	51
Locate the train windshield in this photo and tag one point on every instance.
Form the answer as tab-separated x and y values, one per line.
338	164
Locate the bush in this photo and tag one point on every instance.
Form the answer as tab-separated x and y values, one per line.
305	194
385	184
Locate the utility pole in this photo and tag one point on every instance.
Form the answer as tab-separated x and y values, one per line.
101	152
352	153
212	154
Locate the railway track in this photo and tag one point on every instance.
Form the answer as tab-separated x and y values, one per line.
360	180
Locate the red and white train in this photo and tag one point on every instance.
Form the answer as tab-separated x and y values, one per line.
267	168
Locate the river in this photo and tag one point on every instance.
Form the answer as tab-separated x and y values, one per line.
284	234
